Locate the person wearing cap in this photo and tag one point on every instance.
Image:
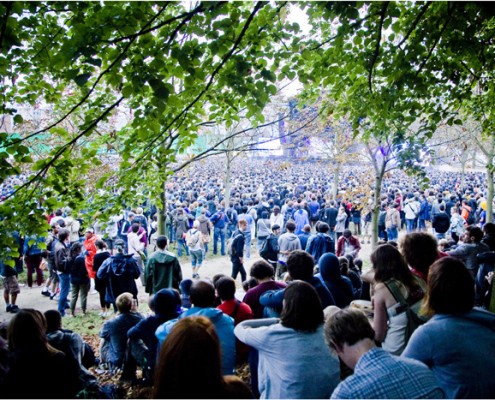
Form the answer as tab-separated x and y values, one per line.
90	246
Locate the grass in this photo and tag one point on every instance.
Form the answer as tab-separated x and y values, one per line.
89	324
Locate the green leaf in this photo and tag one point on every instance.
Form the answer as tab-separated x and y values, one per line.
82	79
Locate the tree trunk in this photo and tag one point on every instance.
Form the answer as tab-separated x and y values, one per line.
376	207
226	183
162	211
489	195
336	176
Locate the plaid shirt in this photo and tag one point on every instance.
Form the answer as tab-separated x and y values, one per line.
380	375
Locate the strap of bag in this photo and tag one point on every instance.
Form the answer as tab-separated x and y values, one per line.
394	289
236	309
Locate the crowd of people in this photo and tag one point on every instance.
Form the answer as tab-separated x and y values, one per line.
310	323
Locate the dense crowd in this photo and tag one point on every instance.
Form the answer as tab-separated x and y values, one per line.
311	323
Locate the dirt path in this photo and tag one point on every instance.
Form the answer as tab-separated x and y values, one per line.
32	298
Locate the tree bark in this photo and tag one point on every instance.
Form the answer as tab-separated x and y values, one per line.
162	211
376	206
336	177
226	182
489	195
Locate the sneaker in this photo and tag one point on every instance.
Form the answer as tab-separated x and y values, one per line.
52	295
93	291
14	309
45	293
9	307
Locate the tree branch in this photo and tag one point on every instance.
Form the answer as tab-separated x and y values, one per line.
8	8
374	56
415	23
225	58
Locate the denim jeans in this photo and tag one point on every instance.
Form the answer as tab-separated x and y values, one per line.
247	239
64	292
181	243
421	224
409	225
392	233
196	257
230	229
219	233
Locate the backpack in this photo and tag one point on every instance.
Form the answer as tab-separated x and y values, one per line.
192	238
414	320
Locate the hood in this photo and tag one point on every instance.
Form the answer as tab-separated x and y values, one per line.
214	314
202	218
329	267
291	237
119	262
165	303
164	256
55	337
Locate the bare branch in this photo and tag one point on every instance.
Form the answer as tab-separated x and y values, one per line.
415	23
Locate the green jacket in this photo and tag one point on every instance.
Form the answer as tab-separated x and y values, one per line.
162	271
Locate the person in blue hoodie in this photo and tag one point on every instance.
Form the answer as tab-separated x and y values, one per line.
300	267
143	344
202	298
340	286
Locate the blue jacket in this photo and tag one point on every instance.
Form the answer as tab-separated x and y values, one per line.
340	286
424	210
224	325
119	272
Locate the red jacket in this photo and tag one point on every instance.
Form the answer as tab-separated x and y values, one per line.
354	241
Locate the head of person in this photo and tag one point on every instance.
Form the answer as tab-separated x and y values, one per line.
27	332
419	250
300	265
75	249
344	329
161	242
192	349
225	288
301	307
276	210
166	303
53	320
388	263
139	211
196	224
473	234
185	286
265	215
124	302
119	246
307	228
329	266
100	244
63	235
261	270
450	288
344	265
290	226
243	225
323	227
489	228
202	293
89	233
135	227
347	233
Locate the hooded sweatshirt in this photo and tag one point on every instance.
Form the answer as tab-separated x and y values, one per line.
288	242
340	286
162	271
119	271
224	325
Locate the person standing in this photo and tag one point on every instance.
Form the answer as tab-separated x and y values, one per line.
219	221
79	278
195	245
392	222
237	256
89	245
101	255
205	227
62	263
136	248
163	269
287	243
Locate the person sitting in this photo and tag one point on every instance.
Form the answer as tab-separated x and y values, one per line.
320	243
393	279
263	272
34	359
192	350
340	286
293	359
420	251
348	244
113	334
203	298
234	308
377	373
300	267
456	334
142	346
471	247
72	345
185	291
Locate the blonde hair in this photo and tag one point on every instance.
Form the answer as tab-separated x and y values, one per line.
124	302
